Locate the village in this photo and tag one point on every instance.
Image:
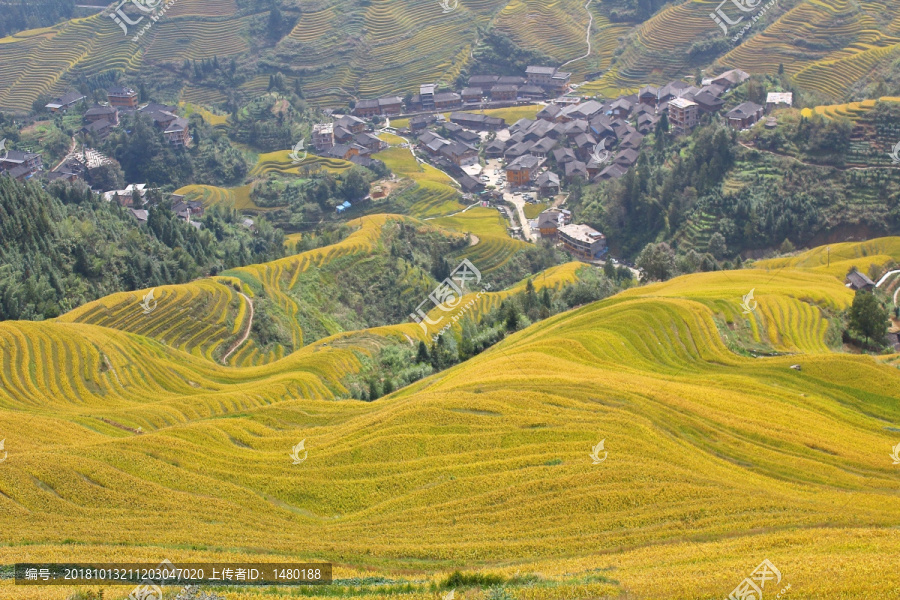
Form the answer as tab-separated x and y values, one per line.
494	163
509	165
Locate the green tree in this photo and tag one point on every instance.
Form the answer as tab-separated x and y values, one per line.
657	261
868	317
530	297
422	354
716	245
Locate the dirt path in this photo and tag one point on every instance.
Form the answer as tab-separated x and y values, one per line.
519	202
459	212
68	154
246	333
587	37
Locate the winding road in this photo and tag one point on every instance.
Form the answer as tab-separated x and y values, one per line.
884	278
243	339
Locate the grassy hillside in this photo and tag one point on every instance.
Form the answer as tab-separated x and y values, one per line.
301	298
716	460
340	50
827	47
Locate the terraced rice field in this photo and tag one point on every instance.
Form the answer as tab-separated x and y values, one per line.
281	162
825	46
210	195
656	50
196	38
398	37
834	68
713	460
435	191
45	60
217	121
558	29
850	110
494	248
203	318
837	259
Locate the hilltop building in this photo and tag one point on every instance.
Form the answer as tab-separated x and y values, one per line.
730	79
426	96
323	136
683	115
547	184
65	102
21	165
102	113
390	105
582	241
472	95
744	115
476	121
126	197
366	108
522	170
779	100
856	281
349	123
548	78
122	97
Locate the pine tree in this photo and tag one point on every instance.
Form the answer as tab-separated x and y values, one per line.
422	355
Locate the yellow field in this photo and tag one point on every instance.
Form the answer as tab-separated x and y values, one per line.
211	195
207	317
533	210
837	259
436	194
280	162
851	110
494	247
713	460
511	114
211	118
825	46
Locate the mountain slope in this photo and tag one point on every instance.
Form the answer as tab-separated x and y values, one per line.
308	296
340	50
727	458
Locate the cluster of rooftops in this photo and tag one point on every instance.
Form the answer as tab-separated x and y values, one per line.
596	140
539	82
